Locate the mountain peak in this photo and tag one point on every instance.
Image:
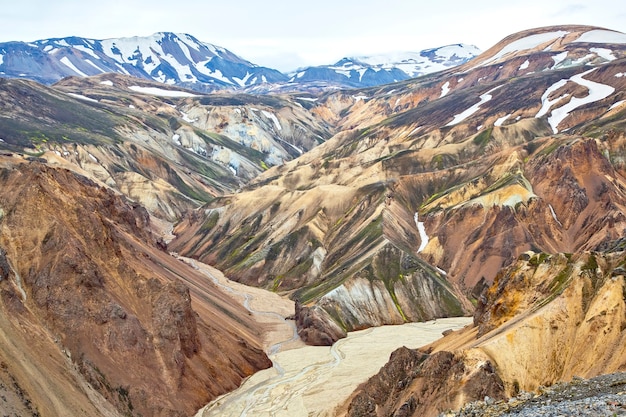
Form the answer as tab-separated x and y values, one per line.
167	57
551	40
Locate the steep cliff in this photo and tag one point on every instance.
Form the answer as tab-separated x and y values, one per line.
96	319
545	319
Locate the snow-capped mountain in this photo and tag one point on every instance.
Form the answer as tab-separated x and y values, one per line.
368	71
181	59
166	57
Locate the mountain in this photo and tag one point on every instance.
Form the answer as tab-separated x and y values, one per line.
182	60
97	319
169	149
166	57
432	185
546	319
367	71
494	188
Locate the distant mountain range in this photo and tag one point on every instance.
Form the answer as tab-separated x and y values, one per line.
183	60
368	71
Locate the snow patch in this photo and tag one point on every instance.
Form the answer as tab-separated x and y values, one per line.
445	89
547	103
554	215
422	231
82	97
619	103
604	53
107	82
66	61
176	139
524	65
242	81
620	74
274	119
501	120
458	118
186	118
155	91
360	97
528	42
597	92
94	65
93	158
558	58
602	36
86	50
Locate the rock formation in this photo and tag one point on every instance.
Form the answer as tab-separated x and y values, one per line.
96	319
545	319
427	192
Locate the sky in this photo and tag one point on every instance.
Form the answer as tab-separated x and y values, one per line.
290	34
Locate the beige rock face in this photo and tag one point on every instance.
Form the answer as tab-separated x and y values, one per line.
570	312
545	319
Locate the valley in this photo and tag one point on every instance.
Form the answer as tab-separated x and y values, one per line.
310	380
356	222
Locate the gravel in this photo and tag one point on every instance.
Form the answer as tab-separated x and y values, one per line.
601	396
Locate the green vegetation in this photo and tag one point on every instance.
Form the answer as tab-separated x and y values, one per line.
483	137
591	264
547	150
243	100
538	259
210	222
175	179
443	161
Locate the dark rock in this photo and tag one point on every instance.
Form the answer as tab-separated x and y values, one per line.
413	384
316	327
4	265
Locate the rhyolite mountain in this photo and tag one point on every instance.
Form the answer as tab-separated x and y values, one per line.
97	318
167	148
181	59
547	318
434	184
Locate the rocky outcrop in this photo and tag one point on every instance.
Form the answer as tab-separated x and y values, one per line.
315	327
546	319
171	154
413	383
116	328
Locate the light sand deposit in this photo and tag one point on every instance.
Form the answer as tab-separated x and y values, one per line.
310	380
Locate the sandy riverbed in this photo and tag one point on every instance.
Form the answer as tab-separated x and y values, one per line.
309	380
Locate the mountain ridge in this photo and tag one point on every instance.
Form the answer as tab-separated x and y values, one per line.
414	164
447	194
183	60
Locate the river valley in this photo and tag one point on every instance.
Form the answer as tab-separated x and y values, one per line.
309	380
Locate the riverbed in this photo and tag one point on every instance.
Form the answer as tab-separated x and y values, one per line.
309	380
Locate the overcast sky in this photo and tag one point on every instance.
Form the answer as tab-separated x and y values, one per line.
289	34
